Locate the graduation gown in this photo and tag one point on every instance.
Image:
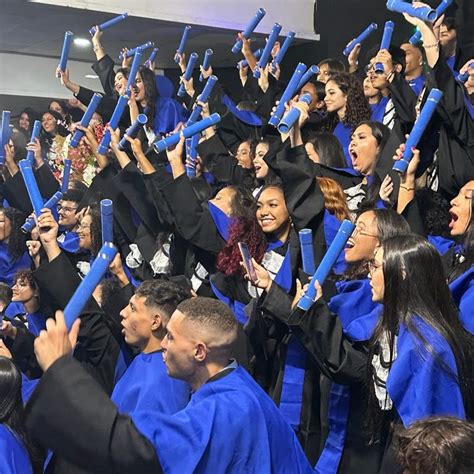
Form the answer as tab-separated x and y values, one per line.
14	457
146	386
8	266
210	435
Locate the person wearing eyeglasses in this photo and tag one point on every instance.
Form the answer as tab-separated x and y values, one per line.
68	220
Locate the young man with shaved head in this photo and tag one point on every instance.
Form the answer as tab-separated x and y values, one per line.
230	425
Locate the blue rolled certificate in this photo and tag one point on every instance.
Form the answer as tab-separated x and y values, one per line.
141	48
109	23
35	133
86	118
6	133
415	37
152	57
50	203
418	128
292	117
66	175
107	220
133	130
328	261
385	43
284	48
312	71
245	63
288	94
65	51
464	77
307	254
206	63
423	13
203	97
88	285
265	57
188	132
132	75
191	154
31	186
249	29
370	29
114	121
182	43
188	73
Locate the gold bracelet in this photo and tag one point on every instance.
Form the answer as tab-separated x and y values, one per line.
405	187
434	45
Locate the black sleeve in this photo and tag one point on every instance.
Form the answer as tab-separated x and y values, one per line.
71	415
404	100
104	68
23	352
221	164
193	222
320	332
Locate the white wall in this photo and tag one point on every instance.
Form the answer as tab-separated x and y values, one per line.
231	14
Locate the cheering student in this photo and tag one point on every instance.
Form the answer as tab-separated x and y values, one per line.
211	434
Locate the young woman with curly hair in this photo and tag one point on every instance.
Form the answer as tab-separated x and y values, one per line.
13	254
347	107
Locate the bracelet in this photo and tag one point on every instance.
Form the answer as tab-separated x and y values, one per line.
428	46
405	187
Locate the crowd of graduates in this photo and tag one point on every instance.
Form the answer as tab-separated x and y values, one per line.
192	356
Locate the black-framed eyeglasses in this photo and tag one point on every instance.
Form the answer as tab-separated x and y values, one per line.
65	208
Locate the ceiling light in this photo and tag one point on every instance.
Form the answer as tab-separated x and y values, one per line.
82	42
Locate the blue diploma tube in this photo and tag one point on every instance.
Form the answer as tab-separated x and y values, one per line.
415	37
30	222
65	51
163	144
292	117
464	77
6	132
364	35
88	285
109	23
152	57
203	97
420	125
245	63
182	43
133	130
423	13
35	133
31	186
188	73
114	121
140	48
328	261
249	29
307	254
86	118
312	71
206	63
107	220
66	175
191	153
134	69
281	54
288	94
386	40
264	58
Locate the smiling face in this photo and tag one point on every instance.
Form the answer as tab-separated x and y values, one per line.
243	155
272	214
261	168
335	99
67	213
120	83
223	200
363	241
461	210
84	232
324	73
376	276
363	150
49	123
24	121
139	321
139	89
